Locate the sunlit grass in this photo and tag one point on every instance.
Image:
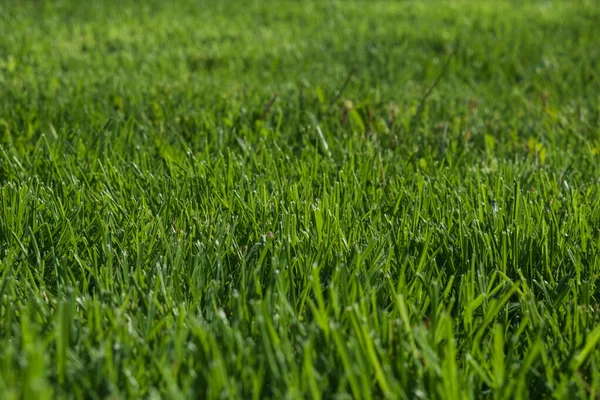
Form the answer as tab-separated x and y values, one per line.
264	200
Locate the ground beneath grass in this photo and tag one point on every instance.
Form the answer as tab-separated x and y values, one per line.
299	199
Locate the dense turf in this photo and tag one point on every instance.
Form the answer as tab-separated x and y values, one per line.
285	199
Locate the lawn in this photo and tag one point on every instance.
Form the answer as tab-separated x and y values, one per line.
299	199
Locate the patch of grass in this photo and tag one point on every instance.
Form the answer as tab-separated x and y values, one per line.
263	200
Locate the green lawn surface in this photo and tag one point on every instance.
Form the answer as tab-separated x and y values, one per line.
299	199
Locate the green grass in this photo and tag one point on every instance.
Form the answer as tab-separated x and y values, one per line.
264	200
